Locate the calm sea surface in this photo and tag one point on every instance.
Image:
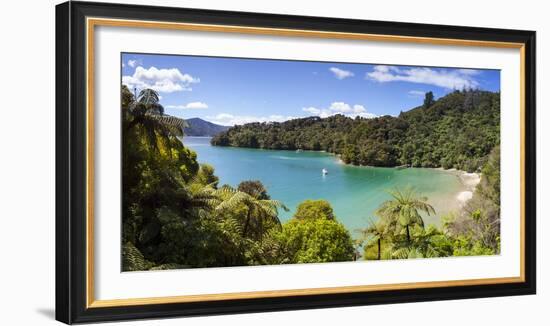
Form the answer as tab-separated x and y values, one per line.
354	192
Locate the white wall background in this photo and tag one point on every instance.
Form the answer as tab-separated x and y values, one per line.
27	163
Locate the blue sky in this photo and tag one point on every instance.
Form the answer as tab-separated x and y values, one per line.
233	91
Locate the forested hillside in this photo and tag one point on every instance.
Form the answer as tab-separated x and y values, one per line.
458	130
175	214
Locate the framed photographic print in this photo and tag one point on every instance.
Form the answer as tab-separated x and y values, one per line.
213	162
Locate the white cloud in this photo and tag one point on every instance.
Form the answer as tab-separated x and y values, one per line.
197	105
416	93
312	110
160	80
227	119
340	73
134	63
340	108
471	72
446	78
191	105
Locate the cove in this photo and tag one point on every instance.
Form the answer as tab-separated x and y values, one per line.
354	192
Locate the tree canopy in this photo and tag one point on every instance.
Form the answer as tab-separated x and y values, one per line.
175	214
315	240
312	209
458	130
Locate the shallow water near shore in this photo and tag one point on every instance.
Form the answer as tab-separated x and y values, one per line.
354	192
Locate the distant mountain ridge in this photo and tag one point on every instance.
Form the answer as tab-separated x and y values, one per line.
198	127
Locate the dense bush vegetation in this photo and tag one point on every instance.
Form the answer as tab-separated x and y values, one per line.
458	130
316	240
398	231
176	215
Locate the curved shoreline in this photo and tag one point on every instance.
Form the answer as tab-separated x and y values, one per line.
447	193
467	179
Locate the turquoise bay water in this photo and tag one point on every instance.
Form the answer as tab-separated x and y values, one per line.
354	192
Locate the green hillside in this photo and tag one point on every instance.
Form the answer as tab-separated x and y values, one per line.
458	130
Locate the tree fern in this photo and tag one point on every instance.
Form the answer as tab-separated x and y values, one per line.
133	260
147	111
402	211
258	211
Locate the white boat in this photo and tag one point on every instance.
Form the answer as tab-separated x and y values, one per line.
325	171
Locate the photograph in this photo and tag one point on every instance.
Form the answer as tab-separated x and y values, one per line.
226	160
229	161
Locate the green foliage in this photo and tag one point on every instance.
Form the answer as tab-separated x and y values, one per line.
431	242
146	113
429	99
254	188
314	240
375	235
479	221
206	176
127	98
153	176
470	234
133	260
401	213
458	131
260	215
489	187
174	215
400	234
467	246
312	209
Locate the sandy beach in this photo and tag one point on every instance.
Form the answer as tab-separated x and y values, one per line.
468	180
